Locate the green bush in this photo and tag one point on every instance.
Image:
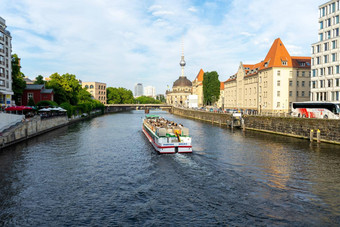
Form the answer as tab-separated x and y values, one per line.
70	109
31	102
47	103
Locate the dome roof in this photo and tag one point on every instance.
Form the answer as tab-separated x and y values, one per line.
182	82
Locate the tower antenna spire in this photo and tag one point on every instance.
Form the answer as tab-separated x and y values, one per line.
182	62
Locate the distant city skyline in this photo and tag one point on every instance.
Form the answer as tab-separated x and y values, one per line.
117	42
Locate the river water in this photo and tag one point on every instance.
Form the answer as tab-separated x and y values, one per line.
104	172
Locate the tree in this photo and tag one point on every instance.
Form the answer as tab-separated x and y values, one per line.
84	95
147	100
31	102
161	98
66	88
211	87
113	96
126	96
119	96
55	83
18	83
39	80
72	87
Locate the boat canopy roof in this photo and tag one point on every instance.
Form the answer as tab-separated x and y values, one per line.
152	116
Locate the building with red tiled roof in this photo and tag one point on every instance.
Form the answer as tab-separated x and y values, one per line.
271	85
197	87
220	102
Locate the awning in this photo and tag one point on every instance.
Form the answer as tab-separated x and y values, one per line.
6	92
18	108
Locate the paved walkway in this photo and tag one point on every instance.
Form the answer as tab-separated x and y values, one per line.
8	120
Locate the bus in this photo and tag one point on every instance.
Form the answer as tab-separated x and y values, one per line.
325	110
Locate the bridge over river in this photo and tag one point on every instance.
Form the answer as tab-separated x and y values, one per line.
110	108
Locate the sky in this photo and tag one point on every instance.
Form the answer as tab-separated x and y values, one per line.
122	42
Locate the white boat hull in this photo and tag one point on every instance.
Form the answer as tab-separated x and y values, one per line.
167	148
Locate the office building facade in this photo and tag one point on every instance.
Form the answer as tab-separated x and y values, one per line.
325	55
139	91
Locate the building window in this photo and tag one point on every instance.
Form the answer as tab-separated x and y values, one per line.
317	60
284	62
330	83
297	93
29	95
278	93
297	73
320	37
297	83
330	70
290	83
321	25
303	83
303	94
321	72
337	82
91	87
321	83
334	57
303	73
325	46
278	72
314	84
290	93
278	104
334	44
325	58
278	83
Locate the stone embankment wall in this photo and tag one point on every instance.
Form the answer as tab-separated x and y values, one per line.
215	118
288	126
27	129
296	127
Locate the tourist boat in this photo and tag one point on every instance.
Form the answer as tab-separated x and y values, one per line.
166	136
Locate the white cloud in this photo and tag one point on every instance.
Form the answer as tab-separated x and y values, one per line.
247	34
193	9
124	42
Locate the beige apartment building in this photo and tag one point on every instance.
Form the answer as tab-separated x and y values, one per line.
97	90
6	91
325	54
271	85
220	102
197	87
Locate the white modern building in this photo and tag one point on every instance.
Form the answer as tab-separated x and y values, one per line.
326	55
150	91
139	91
5	65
